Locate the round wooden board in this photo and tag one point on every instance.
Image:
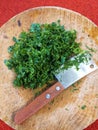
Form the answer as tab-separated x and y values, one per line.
71	110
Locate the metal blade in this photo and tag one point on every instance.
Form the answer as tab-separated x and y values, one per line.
70	76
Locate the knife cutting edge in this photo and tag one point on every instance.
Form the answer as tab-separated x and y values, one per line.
65	79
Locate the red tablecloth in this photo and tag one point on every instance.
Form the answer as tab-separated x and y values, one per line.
9	8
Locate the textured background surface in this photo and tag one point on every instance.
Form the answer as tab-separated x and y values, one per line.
9	8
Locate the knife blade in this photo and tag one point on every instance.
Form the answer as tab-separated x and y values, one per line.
72	75
65	79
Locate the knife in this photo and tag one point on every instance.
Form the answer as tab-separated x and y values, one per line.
65	79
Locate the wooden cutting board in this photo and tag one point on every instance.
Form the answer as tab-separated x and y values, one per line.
76	107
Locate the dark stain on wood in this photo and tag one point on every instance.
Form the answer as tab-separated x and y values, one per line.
49	108
19	23
5	36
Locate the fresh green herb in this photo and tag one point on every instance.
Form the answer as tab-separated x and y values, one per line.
78	82
74	86
74	89
38	54
90	49
83	107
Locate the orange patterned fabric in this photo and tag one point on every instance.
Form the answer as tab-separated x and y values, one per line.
9	8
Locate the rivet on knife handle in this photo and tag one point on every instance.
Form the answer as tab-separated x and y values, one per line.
38	103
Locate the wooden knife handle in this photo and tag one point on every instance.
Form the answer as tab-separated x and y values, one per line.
38	103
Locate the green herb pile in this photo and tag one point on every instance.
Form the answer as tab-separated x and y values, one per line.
38	54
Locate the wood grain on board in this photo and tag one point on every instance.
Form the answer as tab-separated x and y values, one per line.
73	109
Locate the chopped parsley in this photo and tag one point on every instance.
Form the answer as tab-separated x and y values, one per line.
83	107
39	53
